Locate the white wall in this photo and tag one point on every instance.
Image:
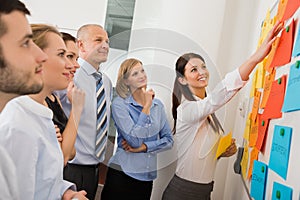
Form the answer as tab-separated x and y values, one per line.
165	30
67	14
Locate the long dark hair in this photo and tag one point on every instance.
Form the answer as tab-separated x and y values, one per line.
68	37
179	90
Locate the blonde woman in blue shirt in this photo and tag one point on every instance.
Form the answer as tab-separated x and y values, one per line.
143	131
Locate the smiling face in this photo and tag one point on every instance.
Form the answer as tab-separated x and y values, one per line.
72	55
137	78
196	75
94	45
57	68
21	60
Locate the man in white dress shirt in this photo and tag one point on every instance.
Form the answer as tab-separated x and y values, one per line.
93	50
31	161
19	60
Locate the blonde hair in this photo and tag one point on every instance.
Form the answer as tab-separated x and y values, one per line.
40	31
124	71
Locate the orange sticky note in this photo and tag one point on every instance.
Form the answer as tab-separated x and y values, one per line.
253	132
224	143
263	124
271	55
253	156
275	100
290	9
255	105
281	8
284	49
267	88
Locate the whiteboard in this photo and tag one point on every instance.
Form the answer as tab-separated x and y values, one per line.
290	119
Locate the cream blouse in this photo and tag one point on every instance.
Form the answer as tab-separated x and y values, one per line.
196	140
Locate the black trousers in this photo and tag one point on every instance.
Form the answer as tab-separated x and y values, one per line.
85	178
118	186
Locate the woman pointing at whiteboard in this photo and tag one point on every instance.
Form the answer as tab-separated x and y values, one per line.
196	128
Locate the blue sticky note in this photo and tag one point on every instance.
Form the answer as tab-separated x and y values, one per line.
258	180
296	50
280	151
281	192
292	94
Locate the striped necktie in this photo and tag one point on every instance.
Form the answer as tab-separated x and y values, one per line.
101	126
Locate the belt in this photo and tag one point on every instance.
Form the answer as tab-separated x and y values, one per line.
84	166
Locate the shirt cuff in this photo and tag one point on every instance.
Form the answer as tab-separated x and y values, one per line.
143	119
150	146
233	80
67	186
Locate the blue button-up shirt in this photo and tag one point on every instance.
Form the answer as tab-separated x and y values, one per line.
136	128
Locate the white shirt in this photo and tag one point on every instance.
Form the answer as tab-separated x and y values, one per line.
28	134
8	177
197	143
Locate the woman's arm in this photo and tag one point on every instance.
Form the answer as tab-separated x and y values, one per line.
165	140
77	99
193	111
133	132
246	68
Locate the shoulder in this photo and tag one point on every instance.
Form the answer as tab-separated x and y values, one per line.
119	105
15	122
81	77
158	102
118	101
13	109
106	80
105	77
80	72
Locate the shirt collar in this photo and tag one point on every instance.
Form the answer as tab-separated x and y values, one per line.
87	67
35	107
131	100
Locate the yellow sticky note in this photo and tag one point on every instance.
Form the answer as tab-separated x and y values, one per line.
266	27
248	127
253	89
244	161
224	143
260	75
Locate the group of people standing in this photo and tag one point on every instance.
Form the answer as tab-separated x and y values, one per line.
56	102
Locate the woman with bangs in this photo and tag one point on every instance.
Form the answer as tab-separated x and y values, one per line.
143	132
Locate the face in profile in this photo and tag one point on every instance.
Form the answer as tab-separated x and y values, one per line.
137	78
72	55
57	68
21	60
